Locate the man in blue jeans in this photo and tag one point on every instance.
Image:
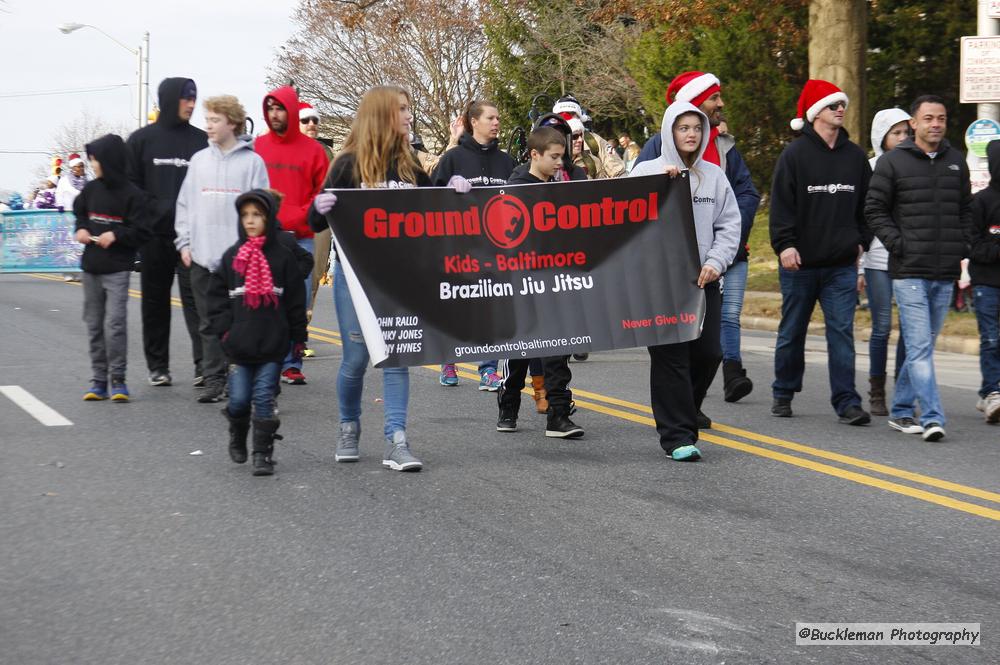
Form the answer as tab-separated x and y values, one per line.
917	205
818	232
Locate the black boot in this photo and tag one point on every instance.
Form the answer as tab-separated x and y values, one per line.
558	425
264	435
238	430
736	384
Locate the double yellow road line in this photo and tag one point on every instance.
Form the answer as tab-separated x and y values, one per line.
854	469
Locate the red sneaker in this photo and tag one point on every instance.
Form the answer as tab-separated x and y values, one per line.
294	376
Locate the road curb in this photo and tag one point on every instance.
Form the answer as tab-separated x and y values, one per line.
949	343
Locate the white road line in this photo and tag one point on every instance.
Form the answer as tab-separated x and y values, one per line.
38	409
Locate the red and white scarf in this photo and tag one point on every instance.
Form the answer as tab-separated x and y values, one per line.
258	284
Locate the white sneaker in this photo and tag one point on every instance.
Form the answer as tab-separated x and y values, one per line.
933	432
990	406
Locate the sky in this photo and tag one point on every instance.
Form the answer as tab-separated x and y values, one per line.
226	46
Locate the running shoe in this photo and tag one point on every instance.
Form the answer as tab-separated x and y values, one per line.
906	425
199	381
215	386
293	376
685	454
98	391
160	378
933	432
490	380
855	415
990	406
507	422
448	377
119	391
781	408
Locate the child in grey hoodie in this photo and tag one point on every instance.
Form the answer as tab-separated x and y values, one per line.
680	374
206	220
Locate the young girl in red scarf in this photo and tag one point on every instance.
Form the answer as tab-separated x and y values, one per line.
258	307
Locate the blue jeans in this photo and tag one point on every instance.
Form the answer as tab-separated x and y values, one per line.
836	291
987	299
734	284
923	304
307	244
351	377
256	383
878	284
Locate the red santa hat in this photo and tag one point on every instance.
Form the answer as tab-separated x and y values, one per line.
694	87
75	159
816	94
307	111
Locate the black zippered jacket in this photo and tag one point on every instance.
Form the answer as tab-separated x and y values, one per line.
482	165
111	203
159	155
260	335
818	198
983	233
919	207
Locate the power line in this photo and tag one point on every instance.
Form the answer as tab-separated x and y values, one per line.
71	91
25	152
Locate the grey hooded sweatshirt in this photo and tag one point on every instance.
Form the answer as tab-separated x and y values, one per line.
877	257
716	214
206	219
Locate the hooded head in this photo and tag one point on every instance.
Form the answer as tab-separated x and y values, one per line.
110	152
883	121
266	202
287	97
993	159
669	154
170	93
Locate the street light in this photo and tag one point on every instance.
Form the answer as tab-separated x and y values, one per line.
142	61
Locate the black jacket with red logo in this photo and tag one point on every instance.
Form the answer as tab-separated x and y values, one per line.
112	203
983	233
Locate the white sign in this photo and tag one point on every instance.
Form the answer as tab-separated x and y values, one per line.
993	9
980	77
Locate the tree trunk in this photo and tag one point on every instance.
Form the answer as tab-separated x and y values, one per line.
838	38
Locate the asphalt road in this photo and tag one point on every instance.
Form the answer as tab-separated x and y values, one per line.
119	546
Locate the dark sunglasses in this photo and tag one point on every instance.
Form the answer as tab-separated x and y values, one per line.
309	121
837	105
577	136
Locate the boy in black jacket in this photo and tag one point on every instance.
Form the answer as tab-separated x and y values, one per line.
983	236
112	221
548	148
258	306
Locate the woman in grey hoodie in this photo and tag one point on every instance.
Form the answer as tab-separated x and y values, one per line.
680	374
889	127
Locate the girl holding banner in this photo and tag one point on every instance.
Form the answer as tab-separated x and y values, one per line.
680	374
376	154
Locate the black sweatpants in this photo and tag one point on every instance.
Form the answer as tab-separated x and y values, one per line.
160	260
557	375
680	375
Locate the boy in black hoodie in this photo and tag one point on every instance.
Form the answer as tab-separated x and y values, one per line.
983	236
112	221
547	146
257	304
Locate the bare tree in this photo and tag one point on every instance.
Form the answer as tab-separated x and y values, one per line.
432	48
72	136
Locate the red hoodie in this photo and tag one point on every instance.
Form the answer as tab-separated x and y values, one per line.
296	165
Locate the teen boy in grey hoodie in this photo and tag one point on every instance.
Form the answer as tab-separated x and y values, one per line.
680	374
206	219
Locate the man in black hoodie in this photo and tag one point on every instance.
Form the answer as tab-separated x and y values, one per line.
158	159
919	201
818	232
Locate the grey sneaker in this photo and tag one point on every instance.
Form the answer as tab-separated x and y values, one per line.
398	456
347	449
990	406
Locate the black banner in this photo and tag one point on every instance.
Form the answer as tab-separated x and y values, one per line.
520	271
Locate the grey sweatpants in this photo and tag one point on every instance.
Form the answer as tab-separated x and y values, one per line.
105	311
213	362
